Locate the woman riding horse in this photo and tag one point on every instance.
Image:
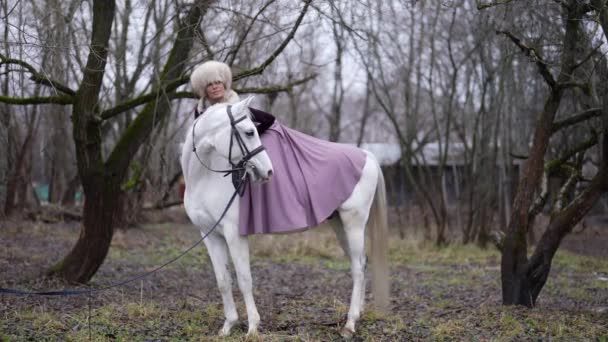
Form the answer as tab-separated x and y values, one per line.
312	177
309	180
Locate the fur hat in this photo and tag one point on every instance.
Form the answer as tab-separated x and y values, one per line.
209	72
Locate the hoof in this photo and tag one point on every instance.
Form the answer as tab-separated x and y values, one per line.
252	332
347	333
225	331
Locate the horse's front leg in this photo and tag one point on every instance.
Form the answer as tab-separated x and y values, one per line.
239	250
218	252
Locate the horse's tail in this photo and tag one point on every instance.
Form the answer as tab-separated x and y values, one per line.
378	227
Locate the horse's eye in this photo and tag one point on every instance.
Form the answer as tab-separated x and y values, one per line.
249	133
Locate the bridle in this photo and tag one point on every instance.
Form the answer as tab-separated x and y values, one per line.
239	169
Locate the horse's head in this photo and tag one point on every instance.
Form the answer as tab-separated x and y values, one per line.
229	132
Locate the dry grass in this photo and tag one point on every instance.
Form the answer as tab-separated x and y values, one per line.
302	290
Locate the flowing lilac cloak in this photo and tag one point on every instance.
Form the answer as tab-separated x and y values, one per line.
311	179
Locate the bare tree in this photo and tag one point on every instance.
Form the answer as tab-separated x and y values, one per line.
523	277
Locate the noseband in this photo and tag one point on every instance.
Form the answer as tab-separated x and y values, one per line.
239	169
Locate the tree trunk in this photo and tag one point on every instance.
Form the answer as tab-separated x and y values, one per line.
99	188
515	286
18	179
366	112
93	244
531	276
4	128
4	155
335	116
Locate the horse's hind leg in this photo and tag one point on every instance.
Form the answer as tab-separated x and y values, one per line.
338	228
218	252
239	250
354	231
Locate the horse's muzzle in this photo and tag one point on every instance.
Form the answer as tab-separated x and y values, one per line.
259	175
267	178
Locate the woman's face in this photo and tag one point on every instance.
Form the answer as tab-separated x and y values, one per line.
215	91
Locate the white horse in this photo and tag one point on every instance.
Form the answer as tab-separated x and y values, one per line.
208	192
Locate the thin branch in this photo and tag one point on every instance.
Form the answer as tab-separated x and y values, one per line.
588	56
201	35
260	69
576	118
276	88
535	56
483	5
37	76
237	47
341	20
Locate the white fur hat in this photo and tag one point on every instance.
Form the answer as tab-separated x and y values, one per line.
209	72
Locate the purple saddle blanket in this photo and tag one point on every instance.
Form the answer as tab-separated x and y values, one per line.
311	179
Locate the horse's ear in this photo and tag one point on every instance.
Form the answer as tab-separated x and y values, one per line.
248	100
241	106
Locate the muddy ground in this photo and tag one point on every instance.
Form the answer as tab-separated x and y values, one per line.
302	288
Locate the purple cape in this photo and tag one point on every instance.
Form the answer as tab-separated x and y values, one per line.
311	179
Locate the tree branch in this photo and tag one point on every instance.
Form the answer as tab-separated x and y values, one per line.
576	118
535	56
138	101
205	43
582	61
59	99
483	5
553	165
37	76
275	88
585	87
128	105
260	69
562	223
567	188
